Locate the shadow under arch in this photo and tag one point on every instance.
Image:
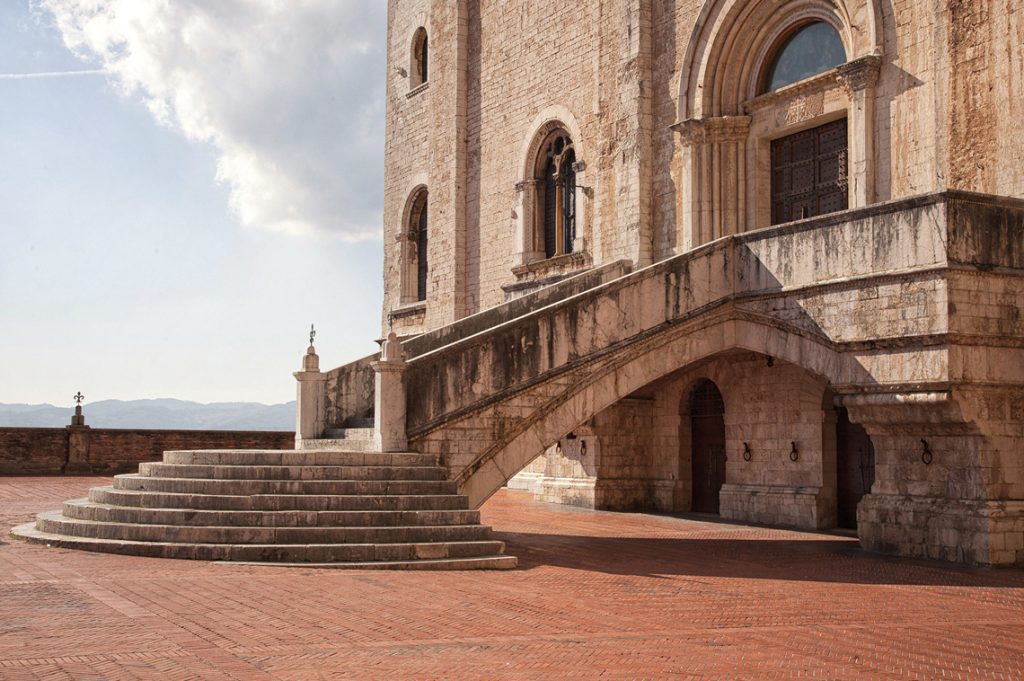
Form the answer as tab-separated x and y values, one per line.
635	364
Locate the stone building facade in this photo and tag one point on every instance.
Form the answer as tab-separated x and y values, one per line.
759	258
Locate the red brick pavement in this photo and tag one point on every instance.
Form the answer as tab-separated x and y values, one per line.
597	596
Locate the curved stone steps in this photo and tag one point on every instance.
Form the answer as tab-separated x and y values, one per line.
83	509
132	481
351	555
55	522
236	472
295	457
278	502
340	508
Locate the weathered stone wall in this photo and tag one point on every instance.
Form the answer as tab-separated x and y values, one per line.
52	451
858	301
983	100
582	64
610	72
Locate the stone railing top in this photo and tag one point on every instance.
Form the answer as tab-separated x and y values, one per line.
919	233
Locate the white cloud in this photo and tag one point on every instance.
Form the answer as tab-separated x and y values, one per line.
290	93
51	74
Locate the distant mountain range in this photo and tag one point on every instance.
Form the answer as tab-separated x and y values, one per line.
156	414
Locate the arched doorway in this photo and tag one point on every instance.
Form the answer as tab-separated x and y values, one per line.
707	445
855	468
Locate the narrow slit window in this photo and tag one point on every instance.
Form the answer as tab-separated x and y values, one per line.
420	58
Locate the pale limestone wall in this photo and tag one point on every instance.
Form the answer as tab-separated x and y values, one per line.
984	100
943	112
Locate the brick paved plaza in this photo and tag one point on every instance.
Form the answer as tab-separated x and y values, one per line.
598	596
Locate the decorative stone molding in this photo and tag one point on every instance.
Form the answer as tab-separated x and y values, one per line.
810	86
859	74
417	309
569	261
709	130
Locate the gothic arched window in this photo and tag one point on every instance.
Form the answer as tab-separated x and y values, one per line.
807	51
416	261
420	59
556	185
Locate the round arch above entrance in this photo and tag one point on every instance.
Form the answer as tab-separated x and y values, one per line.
731	39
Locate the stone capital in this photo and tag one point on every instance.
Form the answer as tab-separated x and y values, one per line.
859	74
710	130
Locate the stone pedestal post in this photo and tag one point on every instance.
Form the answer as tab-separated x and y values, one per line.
389	397
78	449
311	399
78	444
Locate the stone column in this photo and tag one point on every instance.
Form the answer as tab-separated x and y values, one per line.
525	219
389	397
713	178
311	399
858	78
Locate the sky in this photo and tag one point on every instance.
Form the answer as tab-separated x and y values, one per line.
185	187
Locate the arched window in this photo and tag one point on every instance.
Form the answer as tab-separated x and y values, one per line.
417	264
420	60
807	51
556	195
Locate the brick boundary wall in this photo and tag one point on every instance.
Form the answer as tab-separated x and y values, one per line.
82	449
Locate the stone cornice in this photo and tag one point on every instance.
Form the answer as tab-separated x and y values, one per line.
819	83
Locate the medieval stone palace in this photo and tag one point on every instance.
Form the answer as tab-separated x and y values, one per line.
755	258
761	258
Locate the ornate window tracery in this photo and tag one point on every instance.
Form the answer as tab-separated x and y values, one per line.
556	196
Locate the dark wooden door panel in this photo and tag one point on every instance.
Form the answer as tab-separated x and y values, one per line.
809	173
707	446
855	468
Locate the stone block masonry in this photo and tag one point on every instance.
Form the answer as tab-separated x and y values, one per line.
54	451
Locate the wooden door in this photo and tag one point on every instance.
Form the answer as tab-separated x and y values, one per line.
855	468
707	446
809	173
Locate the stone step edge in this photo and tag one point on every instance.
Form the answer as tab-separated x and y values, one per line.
143	492
85	502
140	476
59	516
27	532
169	464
